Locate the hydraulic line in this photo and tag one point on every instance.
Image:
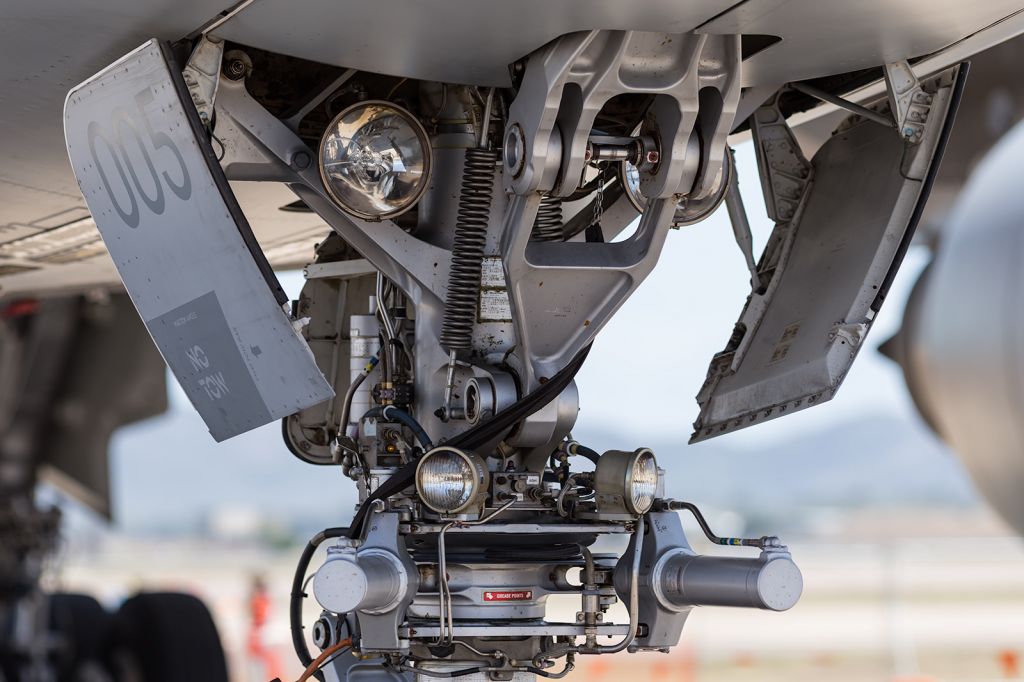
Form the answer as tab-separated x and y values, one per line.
574	448
390	412
298	594
634	595
314	667
547	227
353	387
678	505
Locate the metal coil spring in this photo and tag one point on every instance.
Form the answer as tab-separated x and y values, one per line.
547	227
468	249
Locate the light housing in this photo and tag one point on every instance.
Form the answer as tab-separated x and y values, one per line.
688	211
451	481
375	160
626	482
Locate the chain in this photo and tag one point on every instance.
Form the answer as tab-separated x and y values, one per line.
599	201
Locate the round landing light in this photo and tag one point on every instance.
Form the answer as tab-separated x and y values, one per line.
450	481
688	212
375	160
626	483
642	482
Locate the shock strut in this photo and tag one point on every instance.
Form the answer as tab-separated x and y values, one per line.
467	258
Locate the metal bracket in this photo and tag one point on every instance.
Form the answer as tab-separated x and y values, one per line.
562	294
785	172
909	102
567	83
202	76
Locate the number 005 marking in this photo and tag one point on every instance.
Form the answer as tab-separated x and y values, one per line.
125	128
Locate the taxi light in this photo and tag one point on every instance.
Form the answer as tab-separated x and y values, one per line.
626	482
451	481
375	160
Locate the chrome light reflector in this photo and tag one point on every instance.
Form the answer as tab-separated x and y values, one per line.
375	160
450	481
643	482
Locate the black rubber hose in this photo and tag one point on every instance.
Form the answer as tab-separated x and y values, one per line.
295	603
399	415
479	434
584	451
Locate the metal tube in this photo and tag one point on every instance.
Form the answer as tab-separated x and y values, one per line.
444	592
634	595
679	505
487	119
852	107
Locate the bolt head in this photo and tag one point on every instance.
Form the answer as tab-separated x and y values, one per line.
301	160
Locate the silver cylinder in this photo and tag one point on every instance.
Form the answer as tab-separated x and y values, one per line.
373	581
771	581
364	343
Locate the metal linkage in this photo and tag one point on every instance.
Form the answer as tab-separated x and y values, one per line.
202	76
852	107
583	284
741	226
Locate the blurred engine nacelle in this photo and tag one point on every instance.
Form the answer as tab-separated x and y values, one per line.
962	342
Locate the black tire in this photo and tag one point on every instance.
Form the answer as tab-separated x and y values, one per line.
165	637
81	626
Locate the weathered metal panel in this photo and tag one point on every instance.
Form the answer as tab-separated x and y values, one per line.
183	248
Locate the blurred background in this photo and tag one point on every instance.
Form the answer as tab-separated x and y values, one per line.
908	574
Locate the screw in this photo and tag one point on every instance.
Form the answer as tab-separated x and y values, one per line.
653	156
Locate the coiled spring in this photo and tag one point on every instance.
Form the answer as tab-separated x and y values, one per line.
547	227
468	249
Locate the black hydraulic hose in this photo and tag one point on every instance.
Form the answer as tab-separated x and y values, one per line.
295	602
478	435
584	451
391	412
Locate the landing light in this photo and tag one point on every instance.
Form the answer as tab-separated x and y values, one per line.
375	160
626	482
451	481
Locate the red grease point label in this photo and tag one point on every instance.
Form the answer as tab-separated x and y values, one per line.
516	595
